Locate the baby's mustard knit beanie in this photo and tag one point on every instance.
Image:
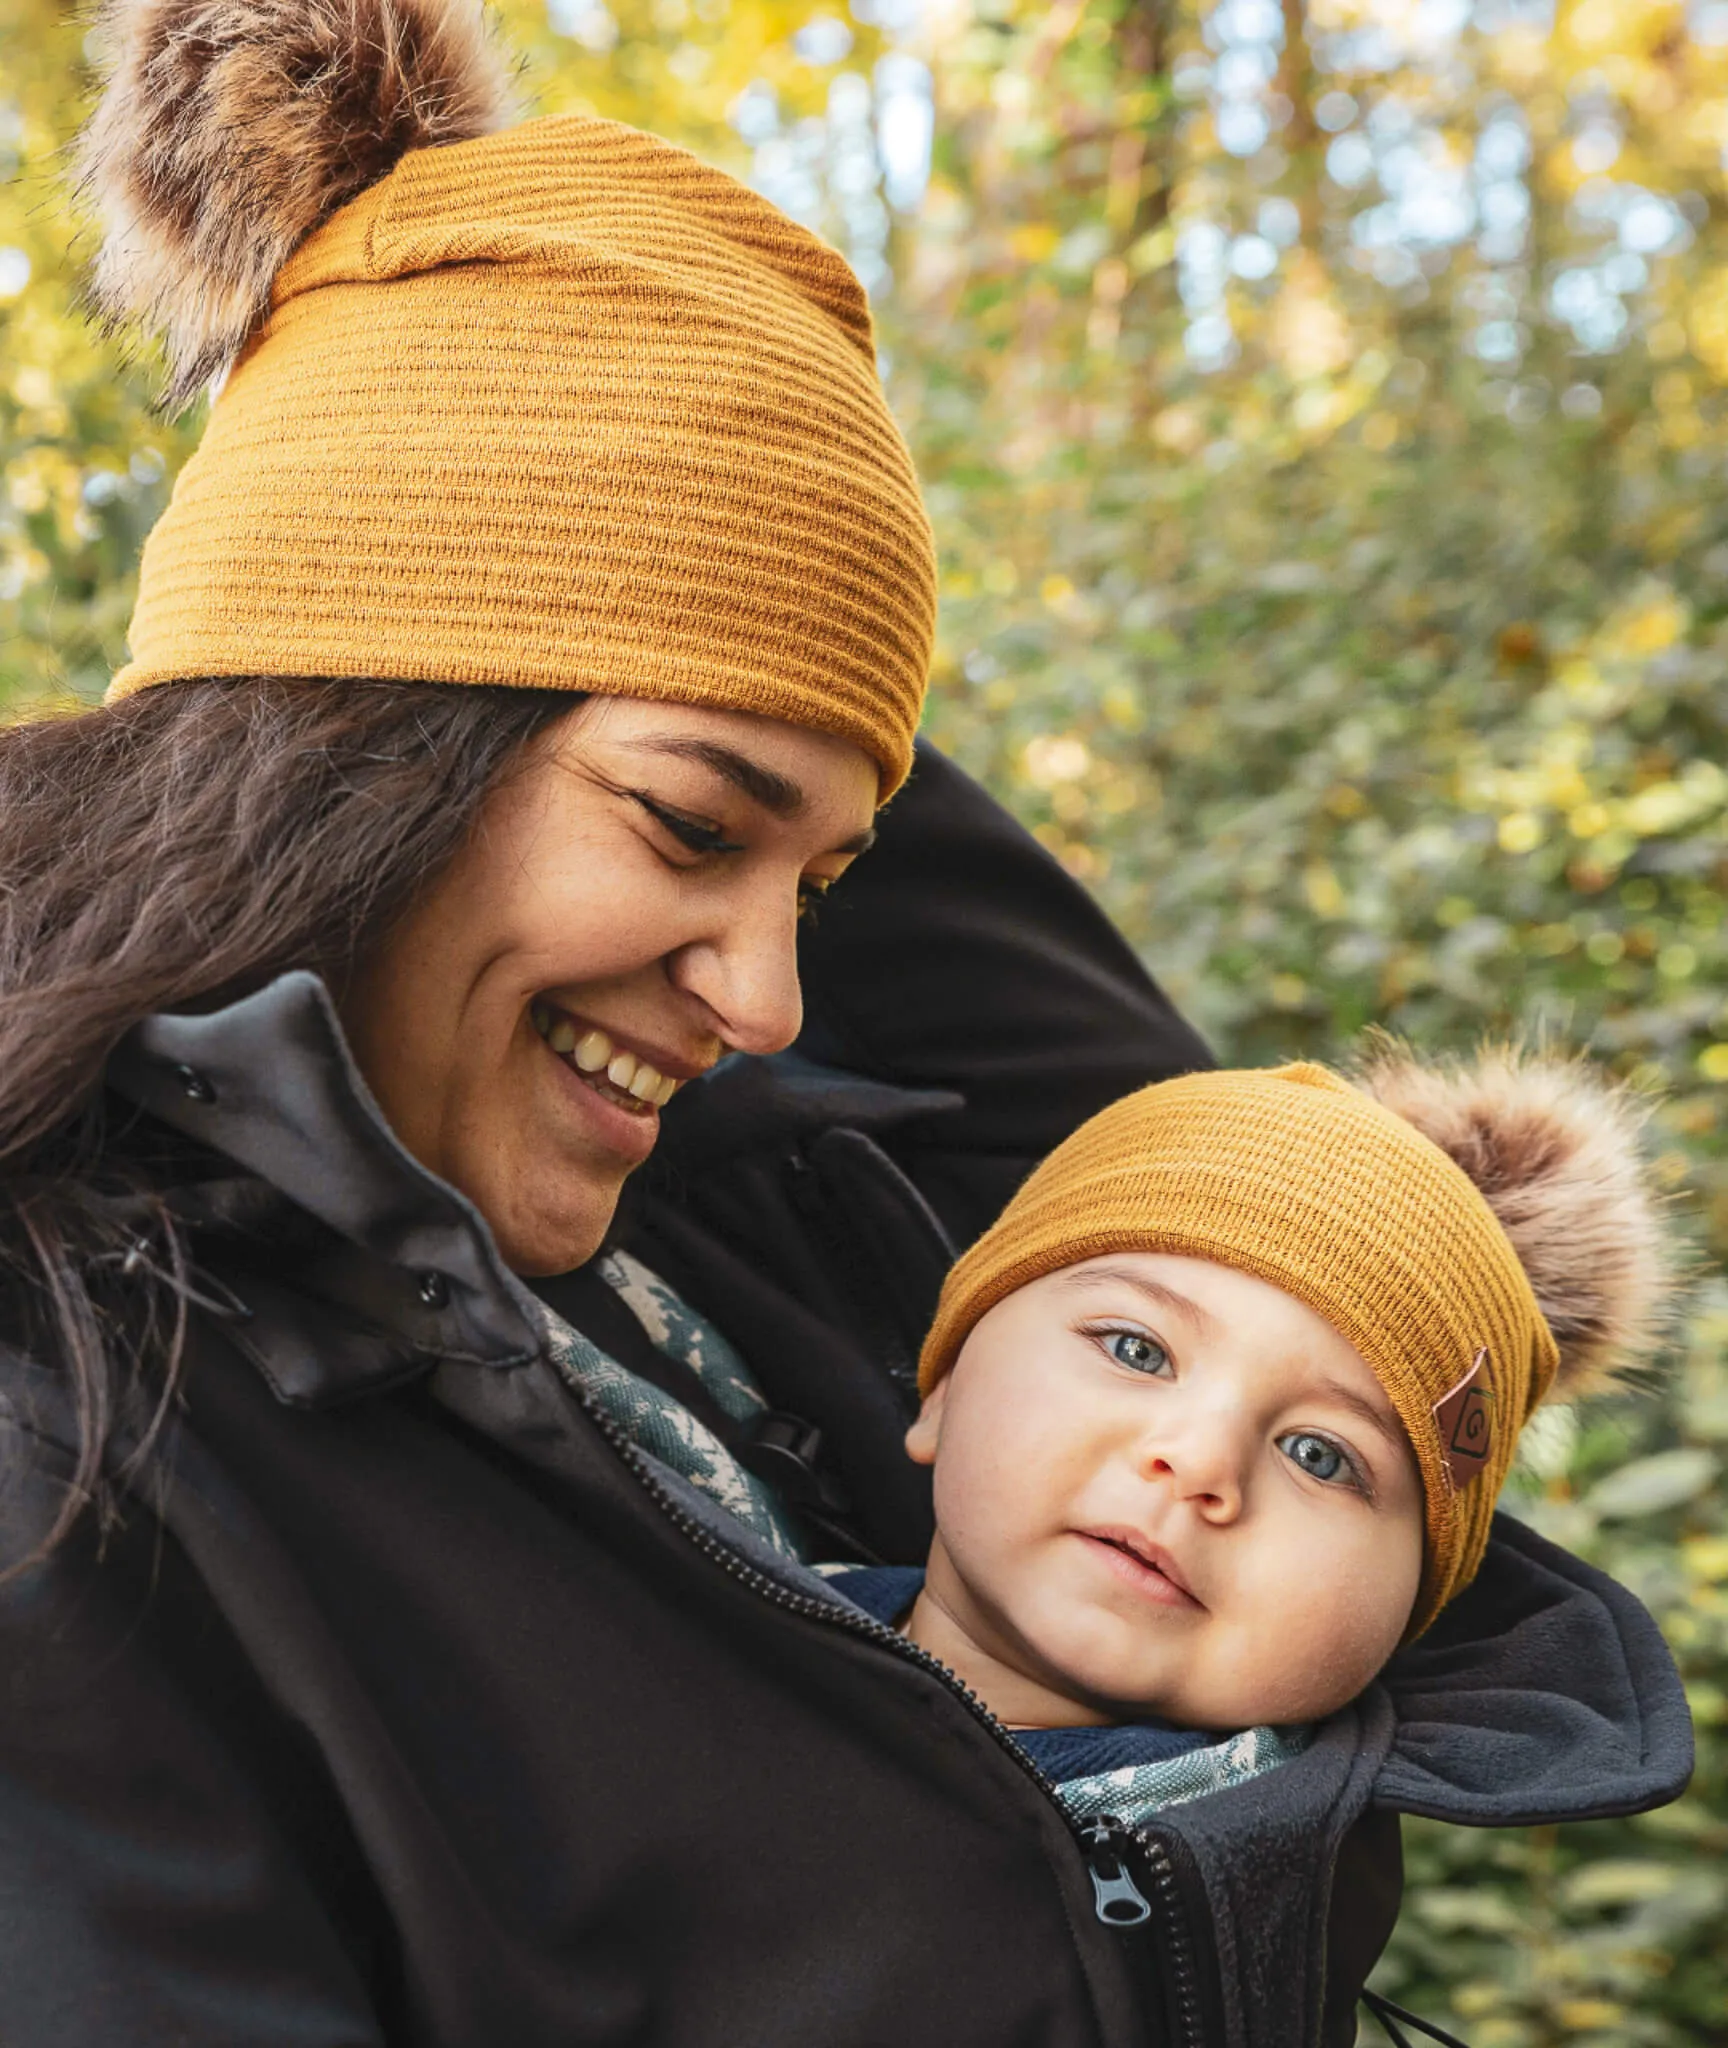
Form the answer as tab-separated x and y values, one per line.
1480	1234
553	405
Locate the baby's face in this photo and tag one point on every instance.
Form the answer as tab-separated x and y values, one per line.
1165	1487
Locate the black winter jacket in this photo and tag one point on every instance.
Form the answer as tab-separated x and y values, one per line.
410	1706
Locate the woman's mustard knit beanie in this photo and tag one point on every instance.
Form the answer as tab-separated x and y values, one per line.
553	405
1480	1235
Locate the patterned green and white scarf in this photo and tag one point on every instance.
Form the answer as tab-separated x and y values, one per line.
1137	1792
659	1424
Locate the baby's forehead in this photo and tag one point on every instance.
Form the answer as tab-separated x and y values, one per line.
1211	1294
1213	1307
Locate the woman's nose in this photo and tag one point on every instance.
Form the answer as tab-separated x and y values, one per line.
745	974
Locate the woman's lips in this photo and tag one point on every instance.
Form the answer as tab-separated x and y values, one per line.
603	1079
1145	1566
614	1072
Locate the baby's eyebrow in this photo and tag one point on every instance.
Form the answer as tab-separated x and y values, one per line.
1199	1319
1360	1405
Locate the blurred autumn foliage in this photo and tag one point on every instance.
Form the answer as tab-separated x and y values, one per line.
1321	413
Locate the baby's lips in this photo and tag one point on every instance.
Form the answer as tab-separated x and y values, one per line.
1148	1553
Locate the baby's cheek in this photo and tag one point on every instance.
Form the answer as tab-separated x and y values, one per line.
1316	1638
996	1481
976	1509
1268	1674
1374	1589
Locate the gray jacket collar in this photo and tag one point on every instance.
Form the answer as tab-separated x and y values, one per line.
355	1266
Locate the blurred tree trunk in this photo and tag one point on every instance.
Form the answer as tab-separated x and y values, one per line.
1304	143
1142	177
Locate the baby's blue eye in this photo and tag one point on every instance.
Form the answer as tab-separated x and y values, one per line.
1138	1353
1318	1456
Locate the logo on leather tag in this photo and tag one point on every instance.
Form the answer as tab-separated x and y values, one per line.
1465	1420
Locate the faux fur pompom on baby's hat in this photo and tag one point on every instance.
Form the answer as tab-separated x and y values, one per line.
1556	1150
229	129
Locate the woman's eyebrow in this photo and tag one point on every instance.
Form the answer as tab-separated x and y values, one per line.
777	794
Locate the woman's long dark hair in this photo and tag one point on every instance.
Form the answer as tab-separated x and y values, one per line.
175	852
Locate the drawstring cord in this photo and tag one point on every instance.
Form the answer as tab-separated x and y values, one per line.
1394	2019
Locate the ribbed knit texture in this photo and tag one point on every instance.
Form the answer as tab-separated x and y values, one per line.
1292	1175
561	407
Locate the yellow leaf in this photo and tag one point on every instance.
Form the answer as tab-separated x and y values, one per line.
1178	428
1055	758
1035	242
1706	1557
1322	888
1582	2014
1660	808
1707	317
1153	251
1309	334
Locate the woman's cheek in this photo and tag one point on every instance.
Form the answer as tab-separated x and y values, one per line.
614	918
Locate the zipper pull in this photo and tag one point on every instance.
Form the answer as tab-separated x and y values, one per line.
1117	1899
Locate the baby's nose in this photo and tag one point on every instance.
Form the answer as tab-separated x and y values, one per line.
1201	1466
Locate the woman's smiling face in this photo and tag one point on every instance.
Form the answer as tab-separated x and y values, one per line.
625	912
1164	1486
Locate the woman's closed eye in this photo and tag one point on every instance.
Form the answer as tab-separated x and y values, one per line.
1134	1349
695	834
1323	1458
704	839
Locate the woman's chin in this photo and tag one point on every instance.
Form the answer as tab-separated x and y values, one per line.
538	1246
549	1214
551	1197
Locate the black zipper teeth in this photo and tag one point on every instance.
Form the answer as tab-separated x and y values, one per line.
854	1622
1179	1950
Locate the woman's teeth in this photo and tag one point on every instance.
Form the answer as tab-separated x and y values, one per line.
607	1067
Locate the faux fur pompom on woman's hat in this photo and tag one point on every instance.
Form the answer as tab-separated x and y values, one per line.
1555	1150
229	129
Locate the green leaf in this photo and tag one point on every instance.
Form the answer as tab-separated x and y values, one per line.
1648	1486
1621	1883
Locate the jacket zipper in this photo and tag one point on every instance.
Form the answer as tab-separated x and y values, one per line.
1105	1843
1119	1902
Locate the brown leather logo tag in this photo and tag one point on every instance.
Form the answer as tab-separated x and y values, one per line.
1465	1420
